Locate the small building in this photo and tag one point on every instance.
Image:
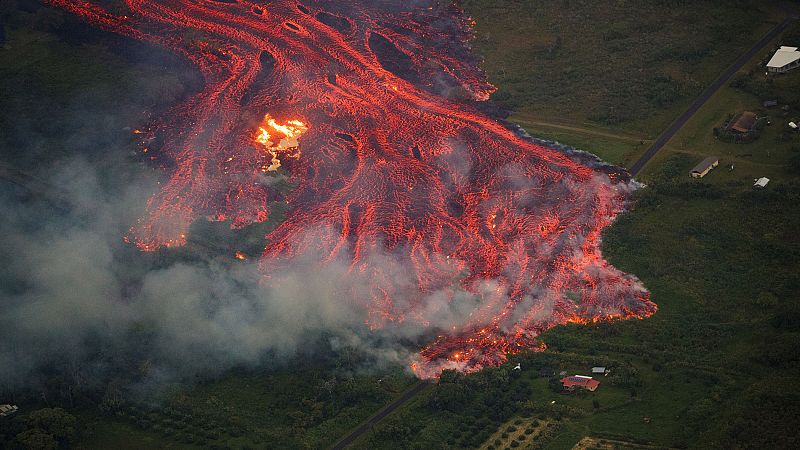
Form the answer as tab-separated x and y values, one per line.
784	60
7	410
761	183
770	103
704	167
744	124
600	369
580	381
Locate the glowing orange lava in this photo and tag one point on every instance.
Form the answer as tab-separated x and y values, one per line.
460	225
287	136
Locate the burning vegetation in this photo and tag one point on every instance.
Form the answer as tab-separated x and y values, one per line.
400	169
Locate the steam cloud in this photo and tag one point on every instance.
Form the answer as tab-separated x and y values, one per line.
71	285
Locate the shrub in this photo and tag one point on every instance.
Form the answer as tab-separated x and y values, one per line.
212	434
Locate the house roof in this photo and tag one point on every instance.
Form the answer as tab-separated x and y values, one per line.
784	56
580	381
705	164
599	369
745	122
761	182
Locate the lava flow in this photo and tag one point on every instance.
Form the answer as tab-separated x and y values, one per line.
399	168
287	145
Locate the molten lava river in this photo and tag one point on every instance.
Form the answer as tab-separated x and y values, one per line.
373	108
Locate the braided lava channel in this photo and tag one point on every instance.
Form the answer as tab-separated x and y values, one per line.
457	225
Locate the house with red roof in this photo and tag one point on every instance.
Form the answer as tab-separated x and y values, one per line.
580	381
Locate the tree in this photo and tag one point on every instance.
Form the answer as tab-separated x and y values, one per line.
555	384
37	439
56	422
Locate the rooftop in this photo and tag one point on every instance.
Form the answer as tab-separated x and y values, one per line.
761	182
580	381
705	164
745	122
785	55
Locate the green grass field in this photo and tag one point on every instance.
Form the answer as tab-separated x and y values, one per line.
772	153
629	67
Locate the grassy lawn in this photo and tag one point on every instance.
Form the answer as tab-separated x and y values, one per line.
630	67
770	155
615	147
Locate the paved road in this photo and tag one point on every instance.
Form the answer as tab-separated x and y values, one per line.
708	93
380	415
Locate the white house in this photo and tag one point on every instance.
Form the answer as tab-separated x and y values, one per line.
761	183
784	60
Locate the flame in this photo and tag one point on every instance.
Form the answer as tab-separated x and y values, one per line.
287	136
240	256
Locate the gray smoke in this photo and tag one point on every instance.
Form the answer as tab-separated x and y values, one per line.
72	288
